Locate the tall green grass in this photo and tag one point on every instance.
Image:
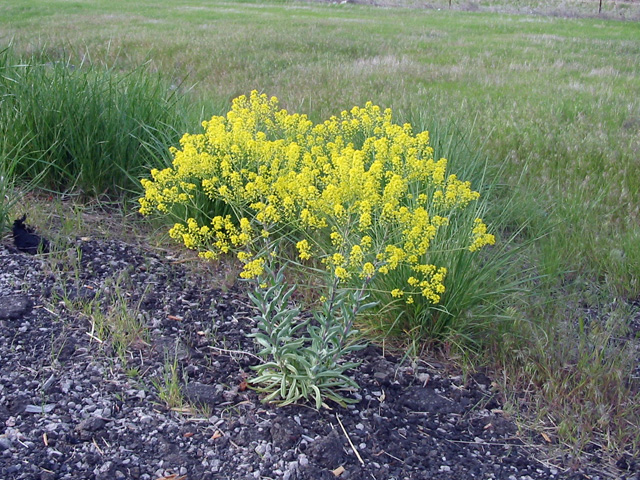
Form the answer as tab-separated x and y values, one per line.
83	128
554	96
576	374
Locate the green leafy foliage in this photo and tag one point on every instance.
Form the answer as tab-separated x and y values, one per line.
304	357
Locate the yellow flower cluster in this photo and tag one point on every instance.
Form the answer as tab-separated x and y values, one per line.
431	286
367	186
480	236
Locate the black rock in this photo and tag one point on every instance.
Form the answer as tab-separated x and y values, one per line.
26	240
200	394
91	424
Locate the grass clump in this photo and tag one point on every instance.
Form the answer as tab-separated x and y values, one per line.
11	188
169	387
84	128
117	322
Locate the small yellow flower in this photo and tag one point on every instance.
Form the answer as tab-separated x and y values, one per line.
341	273
356	256
368	270
480	236
336	239
253	269
304	249
397	293
243	256
337	259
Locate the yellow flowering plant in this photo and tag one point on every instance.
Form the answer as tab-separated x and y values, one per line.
364	190
357	194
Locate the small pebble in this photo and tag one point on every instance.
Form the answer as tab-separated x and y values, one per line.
5	443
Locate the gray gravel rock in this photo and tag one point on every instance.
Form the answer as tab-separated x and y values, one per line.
201	394
14	306
285	432
5	444
425	399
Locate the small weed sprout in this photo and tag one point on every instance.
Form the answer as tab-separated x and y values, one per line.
117	321
169	387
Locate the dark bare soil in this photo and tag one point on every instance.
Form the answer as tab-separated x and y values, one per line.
72	408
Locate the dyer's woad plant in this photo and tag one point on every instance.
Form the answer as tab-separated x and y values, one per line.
358	195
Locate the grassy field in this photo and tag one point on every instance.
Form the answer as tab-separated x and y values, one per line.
553	101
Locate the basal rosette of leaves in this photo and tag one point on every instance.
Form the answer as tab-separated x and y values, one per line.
305	358
358	193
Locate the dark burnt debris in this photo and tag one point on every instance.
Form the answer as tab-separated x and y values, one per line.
26	240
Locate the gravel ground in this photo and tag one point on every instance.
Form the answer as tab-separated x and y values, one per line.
72	408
